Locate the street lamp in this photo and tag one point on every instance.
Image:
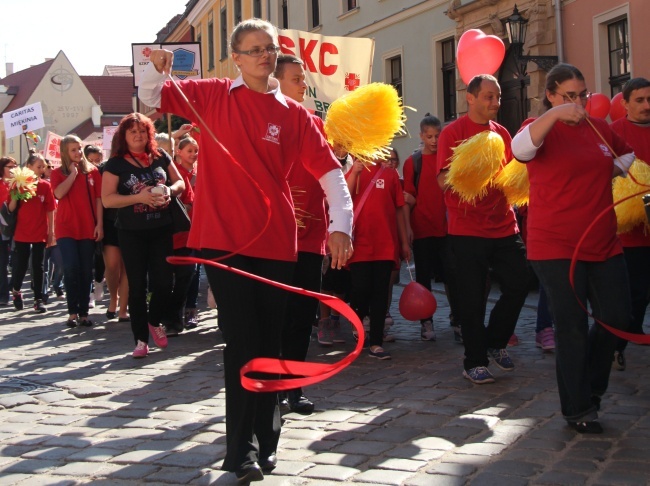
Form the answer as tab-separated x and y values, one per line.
516	27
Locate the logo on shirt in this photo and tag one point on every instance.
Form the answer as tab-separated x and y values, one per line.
605	150
272	133
379	184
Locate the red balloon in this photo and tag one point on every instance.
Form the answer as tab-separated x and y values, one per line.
617	110
598	105
478	53
416	302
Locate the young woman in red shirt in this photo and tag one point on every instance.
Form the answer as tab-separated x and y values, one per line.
79	225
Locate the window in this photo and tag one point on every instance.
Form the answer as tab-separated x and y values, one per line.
237	11
619	55
199	37
448	48
314	13
350	5
284	14
394	71
211	53
223	33
257	8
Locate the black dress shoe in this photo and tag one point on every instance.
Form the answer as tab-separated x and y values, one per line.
298	403
591	427
249	473
269	463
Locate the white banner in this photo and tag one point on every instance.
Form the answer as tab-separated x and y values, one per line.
187	59
25	119
334	65
107	140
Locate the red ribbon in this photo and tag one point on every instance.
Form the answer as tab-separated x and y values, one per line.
634	338
308	373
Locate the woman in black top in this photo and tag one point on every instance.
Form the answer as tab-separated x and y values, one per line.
139	180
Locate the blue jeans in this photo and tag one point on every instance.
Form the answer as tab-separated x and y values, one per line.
583	356
52	269
78	261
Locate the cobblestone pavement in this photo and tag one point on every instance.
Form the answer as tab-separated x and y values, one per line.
75	408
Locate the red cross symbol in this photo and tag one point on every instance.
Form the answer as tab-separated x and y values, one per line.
352	81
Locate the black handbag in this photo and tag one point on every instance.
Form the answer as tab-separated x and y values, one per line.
180	218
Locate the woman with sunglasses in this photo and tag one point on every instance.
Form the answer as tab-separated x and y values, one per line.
570	168
266	133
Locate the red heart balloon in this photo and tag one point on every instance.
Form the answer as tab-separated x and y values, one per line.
617	110
478	53
598	105
416	302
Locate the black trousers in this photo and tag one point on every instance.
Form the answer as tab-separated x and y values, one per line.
638	269
473	257
369	283
144	253
301	310
251	315
183	275
20	263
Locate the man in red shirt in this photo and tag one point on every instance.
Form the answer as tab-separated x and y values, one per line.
635	130
483	235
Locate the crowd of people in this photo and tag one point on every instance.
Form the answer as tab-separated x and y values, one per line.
115	220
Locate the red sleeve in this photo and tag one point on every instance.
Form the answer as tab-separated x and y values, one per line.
315	154
409	177
50	202
56	178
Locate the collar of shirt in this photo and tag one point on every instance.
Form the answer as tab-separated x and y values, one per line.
275	89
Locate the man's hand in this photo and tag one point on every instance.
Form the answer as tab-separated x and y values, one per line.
162	60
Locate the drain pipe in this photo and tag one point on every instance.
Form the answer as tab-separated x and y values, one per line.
558	31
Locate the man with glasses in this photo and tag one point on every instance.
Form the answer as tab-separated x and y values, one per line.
635	130
483	236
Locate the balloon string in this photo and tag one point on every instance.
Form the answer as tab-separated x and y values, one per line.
635	338
408	266
228	156
304	373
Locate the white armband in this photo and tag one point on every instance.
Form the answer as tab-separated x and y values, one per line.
339	201
150	88
522	145
624	162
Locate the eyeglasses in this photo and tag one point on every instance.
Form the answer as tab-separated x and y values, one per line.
392	159
574	97
259	51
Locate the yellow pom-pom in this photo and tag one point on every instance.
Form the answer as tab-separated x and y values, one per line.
513	182
631	213
365	121
474	163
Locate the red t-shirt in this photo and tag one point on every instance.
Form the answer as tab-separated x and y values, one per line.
489	217
31	219
637	137
571	184
75	214
375	229
187	198
429	215
266	138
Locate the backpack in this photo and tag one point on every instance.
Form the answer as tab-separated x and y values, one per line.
417	166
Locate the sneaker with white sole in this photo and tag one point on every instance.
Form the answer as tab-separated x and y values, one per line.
91	302
545	339
324	335
141	350
158	335
378	353
501	359
427	333
479	375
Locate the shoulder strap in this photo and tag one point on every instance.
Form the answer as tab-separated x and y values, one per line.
417	167
366	193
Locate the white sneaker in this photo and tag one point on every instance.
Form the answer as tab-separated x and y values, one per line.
91	302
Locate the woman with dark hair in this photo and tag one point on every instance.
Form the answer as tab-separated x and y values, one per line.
266	133
139	180
79	225
570	168
7	164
